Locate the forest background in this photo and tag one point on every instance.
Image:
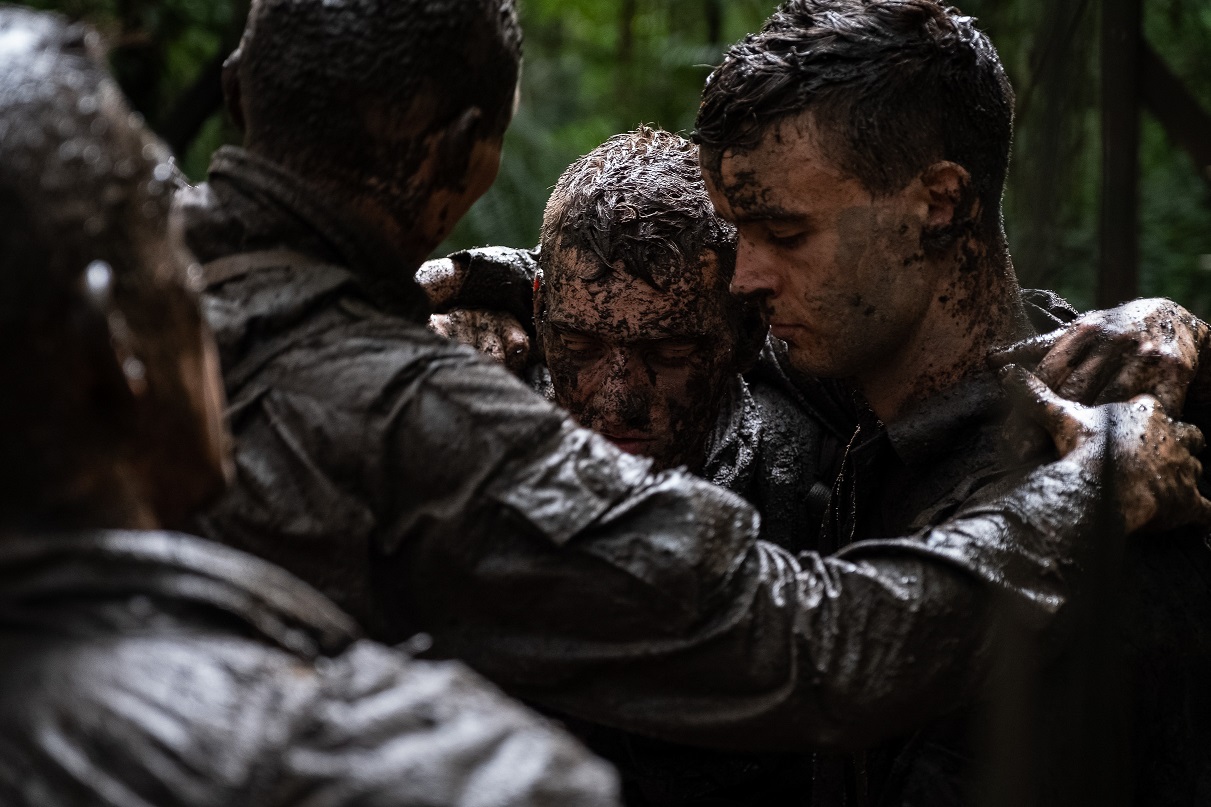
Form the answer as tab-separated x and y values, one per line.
598	67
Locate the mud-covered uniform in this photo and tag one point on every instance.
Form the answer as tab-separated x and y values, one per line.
766	449
423	486
145	668
769	443
1120	714
764	446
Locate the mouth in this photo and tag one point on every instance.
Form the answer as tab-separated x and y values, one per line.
784	331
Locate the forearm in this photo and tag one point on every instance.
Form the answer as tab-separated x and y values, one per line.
666	616
580	579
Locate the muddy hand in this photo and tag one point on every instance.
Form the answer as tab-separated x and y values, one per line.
494	333
1155	472
1148	347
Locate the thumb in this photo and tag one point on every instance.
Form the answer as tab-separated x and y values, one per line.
1035	400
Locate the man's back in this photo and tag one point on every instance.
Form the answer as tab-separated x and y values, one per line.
154	668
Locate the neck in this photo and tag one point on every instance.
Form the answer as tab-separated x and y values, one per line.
373	219
408	245
976	308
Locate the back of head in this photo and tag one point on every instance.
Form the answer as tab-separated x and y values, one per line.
354	87
81	180
639	199
893	85
86	272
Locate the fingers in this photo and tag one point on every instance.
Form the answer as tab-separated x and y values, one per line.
516	347
440	325
1071	350
440	279
1198	512
1034	399
1166	378
490	344
1087	380
1028	351
1189	437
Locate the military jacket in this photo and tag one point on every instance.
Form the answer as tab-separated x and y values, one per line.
145	668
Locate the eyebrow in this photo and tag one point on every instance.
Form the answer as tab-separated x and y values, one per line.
661	335
773	214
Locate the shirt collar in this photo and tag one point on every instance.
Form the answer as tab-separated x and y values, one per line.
935	426
291	214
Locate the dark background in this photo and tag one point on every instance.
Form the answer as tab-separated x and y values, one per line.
1124	139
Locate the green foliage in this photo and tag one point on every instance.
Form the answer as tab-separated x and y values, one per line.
594	69
598	67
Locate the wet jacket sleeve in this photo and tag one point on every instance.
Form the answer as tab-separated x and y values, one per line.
188	718
575	575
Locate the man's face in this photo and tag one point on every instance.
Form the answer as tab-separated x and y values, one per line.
842	271
645	368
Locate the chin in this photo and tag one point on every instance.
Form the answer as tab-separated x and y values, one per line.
813	364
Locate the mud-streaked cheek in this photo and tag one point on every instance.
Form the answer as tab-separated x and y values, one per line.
576	383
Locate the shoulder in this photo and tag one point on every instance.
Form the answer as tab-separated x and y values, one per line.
790	435
394	730
197	715
165	718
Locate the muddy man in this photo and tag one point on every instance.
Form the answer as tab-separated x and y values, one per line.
861	149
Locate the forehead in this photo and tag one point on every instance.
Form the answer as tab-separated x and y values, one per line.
786	173
582	295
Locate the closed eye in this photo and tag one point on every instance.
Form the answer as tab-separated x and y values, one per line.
580	345
674	352
785	239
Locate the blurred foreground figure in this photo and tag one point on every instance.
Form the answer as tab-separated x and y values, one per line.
144	667
425	487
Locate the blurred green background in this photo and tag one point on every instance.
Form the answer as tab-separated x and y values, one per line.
597	67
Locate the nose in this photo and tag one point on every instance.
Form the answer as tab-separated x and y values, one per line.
625	374
624	392
757	271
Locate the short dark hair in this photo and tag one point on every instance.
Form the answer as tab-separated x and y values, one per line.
84	176
318	76
638	199
893	85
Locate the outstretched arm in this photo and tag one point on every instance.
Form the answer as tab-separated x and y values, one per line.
572	574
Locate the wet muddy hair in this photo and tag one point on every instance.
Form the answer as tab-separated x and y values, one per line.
893	86
82	183
354	87
638	199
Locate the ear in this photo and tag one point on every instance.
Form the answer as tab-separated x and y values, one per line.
232	95
458	141
947	186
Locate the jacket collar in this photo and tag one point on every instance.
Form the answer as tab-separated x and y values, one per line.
250	203
181	574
